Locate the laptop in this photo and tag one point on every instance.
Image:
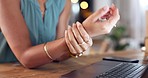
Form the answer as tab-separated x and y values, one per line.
110	69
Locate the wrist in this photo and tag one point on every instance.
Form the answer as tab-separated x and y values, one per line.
88	29
66	53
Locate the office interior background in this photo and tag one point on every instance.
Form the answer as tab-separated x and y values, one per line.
131	29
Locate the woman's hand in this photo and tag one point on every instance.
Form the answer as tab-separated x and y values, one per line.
96	27
77	39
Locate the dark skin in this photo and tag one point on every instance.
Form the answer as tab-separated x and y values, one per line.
15	30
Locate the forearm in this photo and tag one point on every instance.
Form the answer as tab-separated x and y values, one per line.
36	56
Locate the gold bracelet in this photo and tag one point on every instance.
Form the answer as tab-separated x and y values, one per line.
46	51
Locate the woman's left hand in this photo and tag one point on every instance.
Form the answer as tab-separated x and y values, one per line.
94	26
77	39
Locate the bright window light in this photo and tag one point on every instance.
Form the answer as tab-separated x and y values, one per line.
144	3
143	48
75	8
74	1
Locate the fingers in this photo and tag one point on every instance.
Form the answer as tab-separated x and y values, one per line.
90	42
107	15
115	15
71	48
77	34
100	13
76	40
83	33
79	38
112	20
73	41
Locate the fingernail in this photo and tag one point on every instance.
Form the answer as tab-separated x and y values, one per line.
105	8
78	24
69	27
114	5
66	31
74	24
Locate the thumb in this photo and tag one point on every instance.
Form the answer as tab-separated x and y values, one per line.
101	12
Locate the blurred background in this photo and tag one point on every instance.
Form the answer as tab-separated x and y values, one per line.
130	32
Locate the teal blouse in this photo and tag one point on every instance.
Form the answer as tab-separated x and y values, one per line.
41	30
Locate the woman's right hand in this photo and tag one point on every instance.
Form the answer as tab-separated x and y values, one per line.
96	27
77	39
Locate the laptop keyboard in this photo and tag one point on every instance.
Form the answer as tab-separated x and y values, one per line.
124	70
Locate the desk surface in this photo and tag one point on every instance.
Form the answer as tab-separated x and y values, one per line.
55	70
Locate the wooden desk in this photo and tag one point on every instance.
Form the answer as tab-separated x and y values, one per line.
55	70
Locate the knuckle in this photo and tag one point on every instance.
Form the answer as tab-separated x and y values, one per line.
79	51
86	48
86	37
106	31
90	43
